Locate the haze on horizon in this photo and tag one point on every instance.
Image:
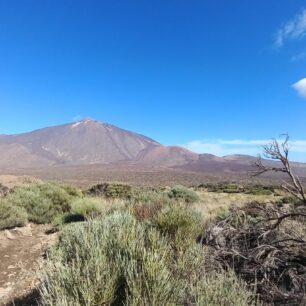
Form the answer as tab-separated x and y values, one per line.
215	77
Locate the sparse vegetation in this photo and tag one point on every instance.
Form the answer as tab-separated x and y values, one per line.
182	193
43	203
225	187
164	246
11	216
115	190
126	262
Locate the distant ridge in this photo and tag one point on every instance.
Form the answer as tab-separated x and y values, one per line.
89	142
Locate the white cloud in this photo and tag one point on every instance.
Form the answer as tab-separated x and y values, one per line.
300	87
294	29
221	147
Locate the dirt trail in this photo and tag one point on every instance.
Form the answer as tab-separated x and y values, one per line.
21	260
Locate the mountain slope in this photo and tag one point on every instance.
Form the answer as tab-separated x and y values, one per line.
167	156
83	142
91	142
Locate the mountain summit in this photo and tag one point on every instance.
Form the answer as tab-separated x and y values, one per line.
83	142
89	141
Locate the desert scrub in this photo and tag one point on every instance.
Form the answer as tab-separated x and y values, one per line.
117	260
11	216
112	261
43	203
155	196
73	191
145	211
87	207
206	283
184	194
3	190
178	221
114	190
146	203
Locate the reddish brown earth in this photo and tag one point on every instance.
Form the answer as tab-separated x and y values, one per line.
21	253
93	151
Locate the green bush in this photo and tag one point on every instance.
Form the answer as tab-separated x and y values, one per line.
43	203
206	283
87	207
153	196
11	216
260	191
184	194
110	262
178	220
120	261
115	190
288	200
73	191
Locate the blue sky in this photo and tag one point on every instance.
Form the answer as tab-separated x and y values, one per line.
215	76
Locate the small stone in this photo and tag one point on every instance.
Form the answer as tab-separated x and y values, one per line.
8	234
24	231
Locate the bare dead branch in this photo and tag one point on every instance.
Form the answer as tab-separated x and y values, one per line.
280	152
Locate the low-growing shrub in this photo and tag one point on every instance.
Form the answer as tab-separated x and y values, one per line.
114	190
120	261
73	191
87	207
43	203
238	188
178	219
152	196
11	216
3	190
184	194
288	200
146	211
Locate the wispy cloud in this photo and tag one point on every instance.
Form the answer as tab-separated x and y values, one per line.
298	57
221	147
294	29
77	118
300	87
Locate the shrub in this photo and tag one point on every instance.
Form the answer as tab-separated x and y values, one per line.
11	216
114	190
206	284
87	207
73	191
146	211
146	204
118	260
288	200
184	194
3	190
178	219
43	203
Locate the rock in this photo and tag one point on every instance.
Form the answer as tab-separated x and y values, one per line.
24	231
4	291
8	235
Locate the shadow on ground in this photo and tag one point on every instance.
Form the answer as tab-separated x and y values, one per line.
31	299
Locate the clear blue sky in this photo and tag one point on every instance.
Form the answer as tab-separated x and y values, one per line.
214	76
